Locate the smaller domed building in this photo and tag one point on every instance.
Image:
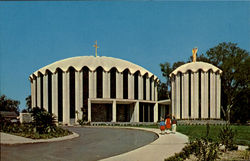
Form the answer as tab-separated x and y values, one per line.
196	91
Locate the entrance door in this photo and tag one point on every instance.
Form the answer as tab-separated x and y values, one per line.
101	112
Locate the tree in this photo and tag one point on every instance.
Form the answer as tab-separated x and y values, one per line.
164	88
235	81
28	103
163	92
7	104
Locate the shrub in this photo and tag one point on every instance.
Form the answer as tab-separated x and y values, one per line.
82	122
227	137
44	121
30	131
204	149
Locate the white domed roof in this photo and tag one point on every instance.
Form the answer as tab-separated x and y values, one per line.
107	63
194	67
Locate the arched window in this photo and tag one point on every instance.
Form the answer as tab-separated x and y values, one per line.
35	80
72	91
125	84
144	86
49	74
150	84
99	78
41	89
136	85
113	83
85	92
60	94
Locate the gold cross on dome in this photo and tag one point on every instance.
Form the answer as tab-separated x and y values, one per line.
96	48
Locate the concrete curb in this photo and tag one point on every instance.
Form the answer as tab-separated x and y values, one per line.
8	139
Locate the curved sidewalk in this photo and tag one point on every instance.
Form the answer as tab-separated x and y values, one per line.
163	147
8	139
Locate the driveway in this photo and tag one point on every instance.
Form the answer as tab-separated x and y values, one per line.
92	144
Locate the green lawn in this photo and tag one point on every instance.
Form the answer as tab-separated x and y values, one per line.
197	131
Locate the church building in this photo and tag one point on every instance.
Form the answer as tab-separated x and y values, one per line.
96	89
106	89
196	90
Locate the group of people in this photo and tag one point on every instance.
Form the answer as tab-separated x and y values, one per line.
167	124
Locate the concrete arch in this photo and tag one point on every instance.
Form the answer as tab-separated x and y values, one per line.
107	63
194	67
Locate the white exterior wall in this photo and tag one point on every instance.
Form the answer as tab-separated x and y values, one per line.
92	82
140	87
66	102
32	93
89	110
196	95
218	95
173	97
106	84
156	91
80	94
114	111
55	94
119	85
35	92
136	112
215	95
39	91
202	94
45	92
204	106
130	86
185	96
153	90
147	88
177	109
212	95
156	112
77	95
192	95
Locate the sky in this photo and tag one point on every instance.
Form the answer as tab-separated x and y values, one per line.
147	33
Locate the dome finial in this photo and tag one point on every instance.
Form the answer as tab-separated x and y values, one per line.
194	51
96	48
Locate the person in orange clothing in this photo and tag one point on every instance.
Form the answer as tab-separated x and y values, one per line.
168	124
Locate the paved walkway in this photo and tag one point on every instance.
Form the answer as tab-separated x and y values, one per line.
165	146
13	139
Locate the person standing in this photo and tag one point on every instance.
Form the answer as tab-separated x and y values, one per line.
174	124
168	124
162	126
